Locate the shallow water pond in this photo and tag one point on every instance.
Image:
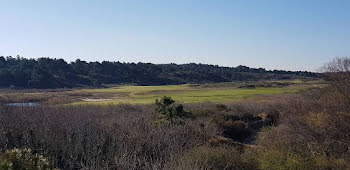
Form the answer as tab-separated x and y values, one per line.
27	104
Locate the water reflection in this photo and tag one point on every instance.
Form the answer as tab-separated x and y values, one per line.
27	104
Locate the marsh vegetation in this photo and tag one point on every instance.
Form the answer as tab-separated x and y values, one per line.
246	125
187	93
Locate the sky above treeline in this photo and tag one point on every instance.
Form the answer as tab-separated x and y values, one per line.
273	34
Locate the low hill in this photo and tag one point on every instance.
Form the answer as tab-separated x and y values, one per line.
57	73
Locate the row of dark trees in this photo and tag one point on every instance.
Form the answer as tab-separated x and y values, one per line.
56	73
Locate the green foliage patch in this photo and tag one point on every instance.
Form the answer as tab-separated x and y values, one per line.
168	112
22	159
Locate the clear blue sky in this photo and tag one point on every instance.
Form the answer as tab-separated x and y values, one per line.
274	34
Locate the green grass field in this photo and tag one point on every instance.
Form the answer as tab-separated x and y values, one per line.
191	93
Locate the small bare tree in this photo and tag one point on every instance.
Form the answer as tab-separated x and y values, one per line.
338	75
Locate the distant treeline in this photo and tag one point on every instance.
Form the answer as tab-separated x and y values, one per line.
56	73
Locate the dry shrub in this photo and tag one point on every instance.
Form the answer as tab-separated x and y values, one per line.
22	97
275	159
317	120
204	112
338	76
99	137
313	134
219	140
207	157
221	107
207	109
58	100
222	141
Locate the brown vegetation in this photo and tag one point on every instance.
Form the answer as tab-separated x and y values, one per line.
309	130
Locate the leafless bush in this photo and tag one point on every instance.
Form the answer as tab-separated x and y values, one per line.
216	158
93	137
313	134
338	75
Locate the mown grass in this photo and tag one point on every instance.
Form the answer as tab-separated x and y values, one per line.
191	93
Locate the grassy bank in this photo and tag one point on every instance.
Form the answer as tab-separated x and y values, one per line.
187	93
191	93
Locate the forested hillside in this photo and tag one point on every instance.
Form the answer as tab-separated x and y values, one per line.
56	73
